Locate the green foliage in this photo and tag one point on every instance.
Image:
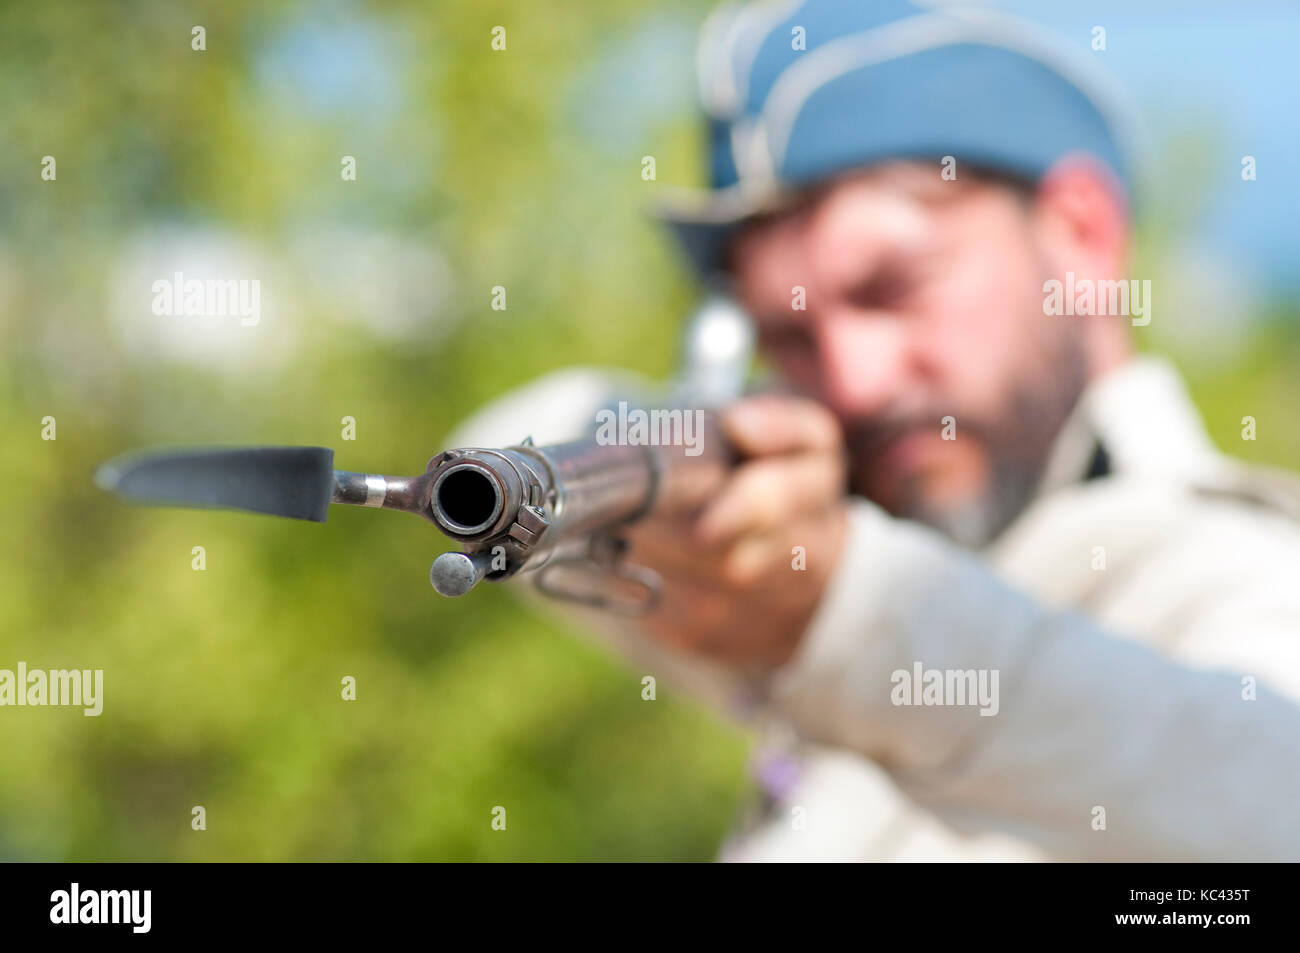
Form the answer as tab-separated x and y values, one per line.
223	687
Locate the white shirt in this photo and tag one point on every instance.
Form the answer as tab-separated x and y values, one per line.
1144	629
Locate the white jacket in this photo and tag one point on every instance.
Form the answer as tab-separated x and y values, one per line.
1144	628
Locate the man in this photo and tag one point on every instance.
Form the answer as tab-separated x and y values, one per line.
1047	620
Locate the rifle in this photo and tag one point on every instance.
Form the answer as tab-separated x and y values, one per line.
555	511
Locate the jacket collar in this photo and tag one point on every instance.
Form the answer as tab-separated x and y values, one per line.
1143	419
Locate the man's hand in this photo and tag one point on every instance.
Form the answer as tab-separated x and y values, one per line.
742	580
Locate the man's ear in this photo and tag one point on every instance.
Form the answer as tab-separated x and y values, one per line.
1082	219
1081	225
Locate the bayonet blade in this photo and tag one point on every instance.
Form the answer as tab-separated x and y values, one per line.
294	482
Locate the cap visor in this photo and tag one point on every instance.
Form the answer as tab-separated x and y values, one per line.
703	221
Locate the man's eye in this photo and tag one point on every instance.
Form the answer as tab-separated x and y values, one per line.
894	286
785	339
882	291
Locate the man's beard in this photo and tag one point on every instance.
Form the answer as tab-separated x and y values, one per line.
1017	445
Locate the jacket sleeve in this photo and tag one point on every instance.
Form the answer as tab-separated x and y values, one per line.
1092	746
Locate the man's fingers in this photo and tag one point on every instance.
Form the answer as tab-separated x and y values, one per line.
764	494
665	546
768	424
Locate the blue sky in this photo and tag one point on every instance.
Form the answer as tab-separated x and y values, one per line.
1231	72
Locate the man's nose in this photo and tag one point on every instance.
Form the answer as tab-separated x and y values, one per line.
863	361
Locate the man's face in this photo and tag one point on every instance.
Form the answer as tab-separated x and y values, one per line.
922	301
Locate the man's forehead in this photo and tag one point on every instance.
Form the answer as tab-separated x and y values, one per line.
914	178
910	180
